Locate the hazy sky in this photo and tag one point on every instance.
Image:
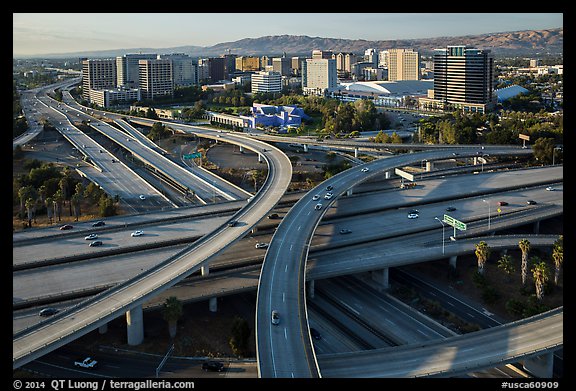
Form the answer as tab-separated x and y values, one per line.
48	33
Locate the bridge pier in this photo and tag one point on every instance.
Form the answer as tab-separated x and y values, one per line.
541	366
205	270
537	227
349	192
241	149
254	230
311	289
387	174
135	326
305	147
213	304
429	166
452	261
356	153
259	158
103	329
381	277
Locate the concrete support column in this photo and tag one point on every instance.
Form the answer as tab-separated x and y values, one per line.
349	192
475	161
356	153
305	147
381	277
205	270
241	149
311	289
135	326
387	175
254	230
259	158
429	166
537	227
452	261
103	329
213	304
541	366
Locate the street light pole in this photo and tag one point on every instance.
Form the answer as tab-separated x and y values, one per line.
441	222
488	212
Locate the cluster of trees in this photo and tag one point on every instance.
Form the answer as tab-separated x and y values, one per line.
539	267
46	189
158	131
172	310
234	98
460	128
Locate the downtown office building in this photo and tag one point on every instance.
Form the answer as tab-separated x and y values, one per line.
464	79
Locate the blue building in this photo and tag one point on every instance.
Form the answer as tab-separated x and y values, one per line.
276	116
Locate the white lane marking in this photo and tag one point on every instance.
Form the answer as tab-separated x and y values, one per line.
286	268
285	334
283	297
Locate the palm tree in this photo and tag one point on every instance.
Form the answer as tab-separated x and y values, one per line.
58	199
558	256
75	200
172	311
541	274
505	264
482	252
24	193
49	201
525	248
30	206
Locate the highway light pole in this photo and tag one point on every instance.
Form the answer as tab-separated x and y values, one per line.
488	212
441	222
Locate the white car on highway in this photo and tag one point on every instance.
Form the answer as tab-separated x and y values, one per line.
137	233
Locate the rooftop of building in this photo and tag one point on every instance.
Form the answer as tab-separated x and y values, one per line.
403	87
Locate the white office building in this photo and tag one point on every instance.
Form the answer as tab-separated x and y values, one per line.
318	75
266	81
127	69
183	67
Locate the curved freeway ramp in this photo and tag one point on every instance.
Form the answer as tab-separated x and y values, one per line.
77	321
285	349
457	355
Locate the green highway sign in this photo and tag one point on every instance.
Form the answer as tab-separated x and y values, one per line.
454	223
192	155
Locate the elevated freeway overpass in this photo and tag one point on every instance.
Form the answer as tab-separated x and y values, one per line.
128	297
290	353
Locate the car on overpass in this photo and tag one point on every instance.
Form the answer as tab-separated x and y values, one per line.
261	245
99	224
66	227
91	237
95	243
275	317
318	206
412	215
345	231
365	169
49	311
137	233
316	197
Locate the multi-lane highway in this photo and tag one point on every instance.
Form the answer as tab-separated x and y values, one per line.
71	324
285	349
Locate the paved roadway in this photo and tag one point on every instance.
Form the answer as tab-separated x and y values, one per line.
489	185
454	356
73	323
285	350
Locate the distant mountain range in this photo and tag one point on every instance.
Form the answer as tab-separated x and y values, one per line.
513	43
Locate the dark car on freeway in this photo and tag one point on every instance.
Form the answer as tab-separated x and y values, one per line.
214	366
66	227
99	224
49	311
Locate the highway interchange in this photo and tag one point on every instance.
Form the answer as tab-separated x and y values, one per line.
286	257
